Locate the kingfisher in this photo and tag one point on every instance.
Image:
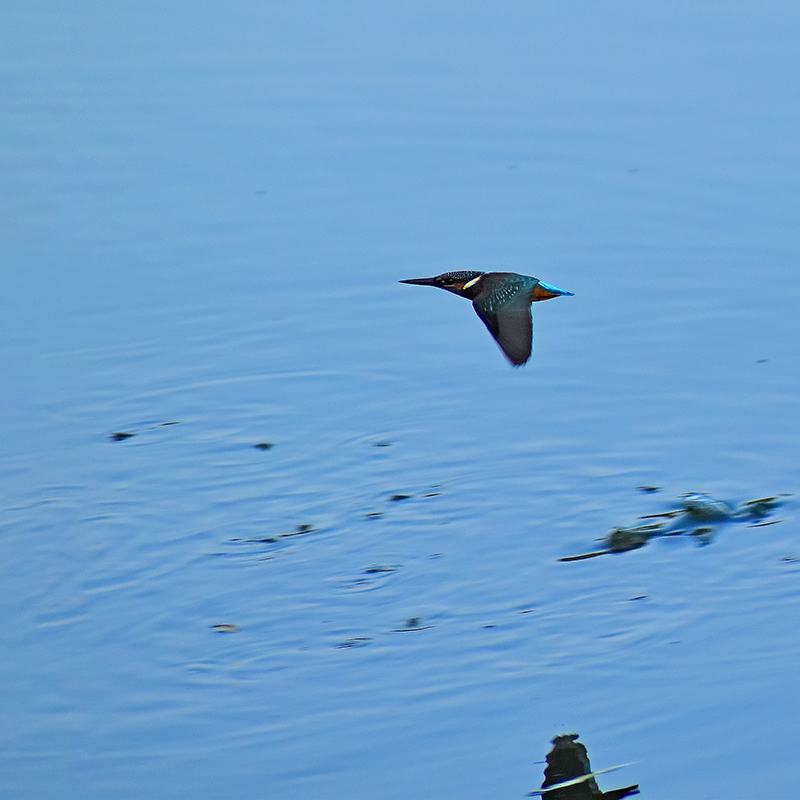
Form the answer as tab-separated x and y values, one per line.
503	302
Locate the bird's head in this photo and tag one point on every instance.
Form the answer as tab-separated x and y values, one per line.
463	283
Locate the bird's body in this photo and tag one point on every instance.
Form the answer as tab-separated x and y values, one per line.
503	302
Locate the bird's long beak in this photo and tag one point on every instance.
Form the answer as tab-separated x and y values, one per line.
421	281
544	291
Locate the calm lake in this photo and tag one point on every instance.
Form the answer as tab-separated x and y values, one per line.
205	212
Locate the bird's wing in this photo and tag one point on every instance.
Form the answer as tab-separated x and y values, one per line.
507	315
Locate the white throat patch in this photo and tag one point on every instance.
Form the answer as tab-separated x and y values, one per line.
472	282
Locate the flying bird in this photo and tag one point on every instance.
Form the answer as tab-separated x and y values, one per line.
503	302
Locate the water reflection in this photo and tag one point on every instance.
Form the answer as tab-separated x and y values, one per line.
698	515
569	776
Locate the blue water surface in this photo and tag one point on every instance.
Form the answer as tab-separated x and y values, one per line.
205	211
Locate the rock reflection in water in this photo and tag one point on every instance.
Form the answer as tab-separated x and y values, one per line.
569	776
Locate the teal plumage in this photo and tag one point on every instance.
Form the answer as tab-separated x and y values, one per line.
503	302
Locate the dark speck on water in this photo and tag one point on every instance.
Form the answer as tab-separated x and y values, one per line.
304	528
263	540
412	624
264	446
120	436
300	530
354	641
226	627
396	497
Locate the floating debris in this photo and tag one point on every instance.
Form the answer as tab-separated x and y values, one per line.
704	508
121	436
396	497
226	627
412	624
354	641
301	530
620	540
763	507
568	774
264	445
698	515
262	540
705	533
372	576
